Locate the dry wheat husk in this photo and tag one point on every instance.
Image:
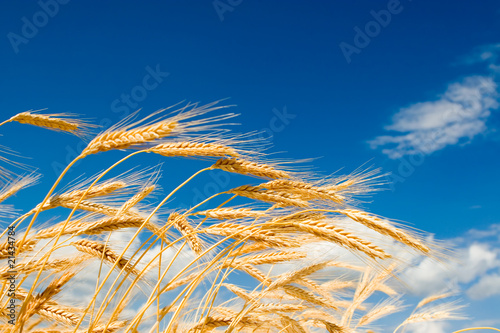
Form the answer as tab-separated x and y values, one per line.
433	298
240	292
102	251
245	167
304	190
127	137
214	321
182	224
75	195
280	199
186	148
290	325
139	196
307	296
14	186
271	257
337	235
60	122
7	251
251	233
230	213
385	228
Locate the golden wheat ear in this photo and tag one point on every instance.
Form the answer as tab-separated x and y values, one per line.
381	310
7	175
64	122
434	298
246	167
14	186
186	149
139	134
444	311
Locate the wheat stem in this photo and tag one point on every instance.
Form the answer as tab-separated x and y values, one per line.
23	306
47	255
137	233
477	328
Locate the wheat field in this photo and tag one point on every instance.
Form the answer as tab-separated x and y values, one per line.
287	252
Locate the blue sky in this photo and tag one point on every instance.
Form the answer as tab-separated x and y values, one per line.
418	96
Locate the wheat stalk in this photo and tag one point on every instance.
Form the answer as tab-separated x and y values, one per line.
186	148
338	235
90	207
240	292
17	185
125	139
272	257
245	167
60	122
35	303
139	196
385	228
76	195
230	213
59	314
379	311
443	311
307	296
290	277
291	325
182	224
337	284
317	288
433	298
279	307
281	199
211	322
368	285
249	248
250	270
111	328
252	233
110	224
334	328
57	265
304	190
7	250
99	250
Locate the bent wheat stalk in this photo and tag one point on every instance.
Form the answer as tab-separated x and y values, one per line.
60	122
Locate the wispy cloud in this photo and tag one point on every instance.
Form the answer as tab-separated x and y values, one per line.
459	114
454	117
488	54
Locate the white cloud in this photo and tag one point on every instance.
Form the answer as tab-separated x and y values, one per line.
480	258
488	285
460	113
472	263
429	327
